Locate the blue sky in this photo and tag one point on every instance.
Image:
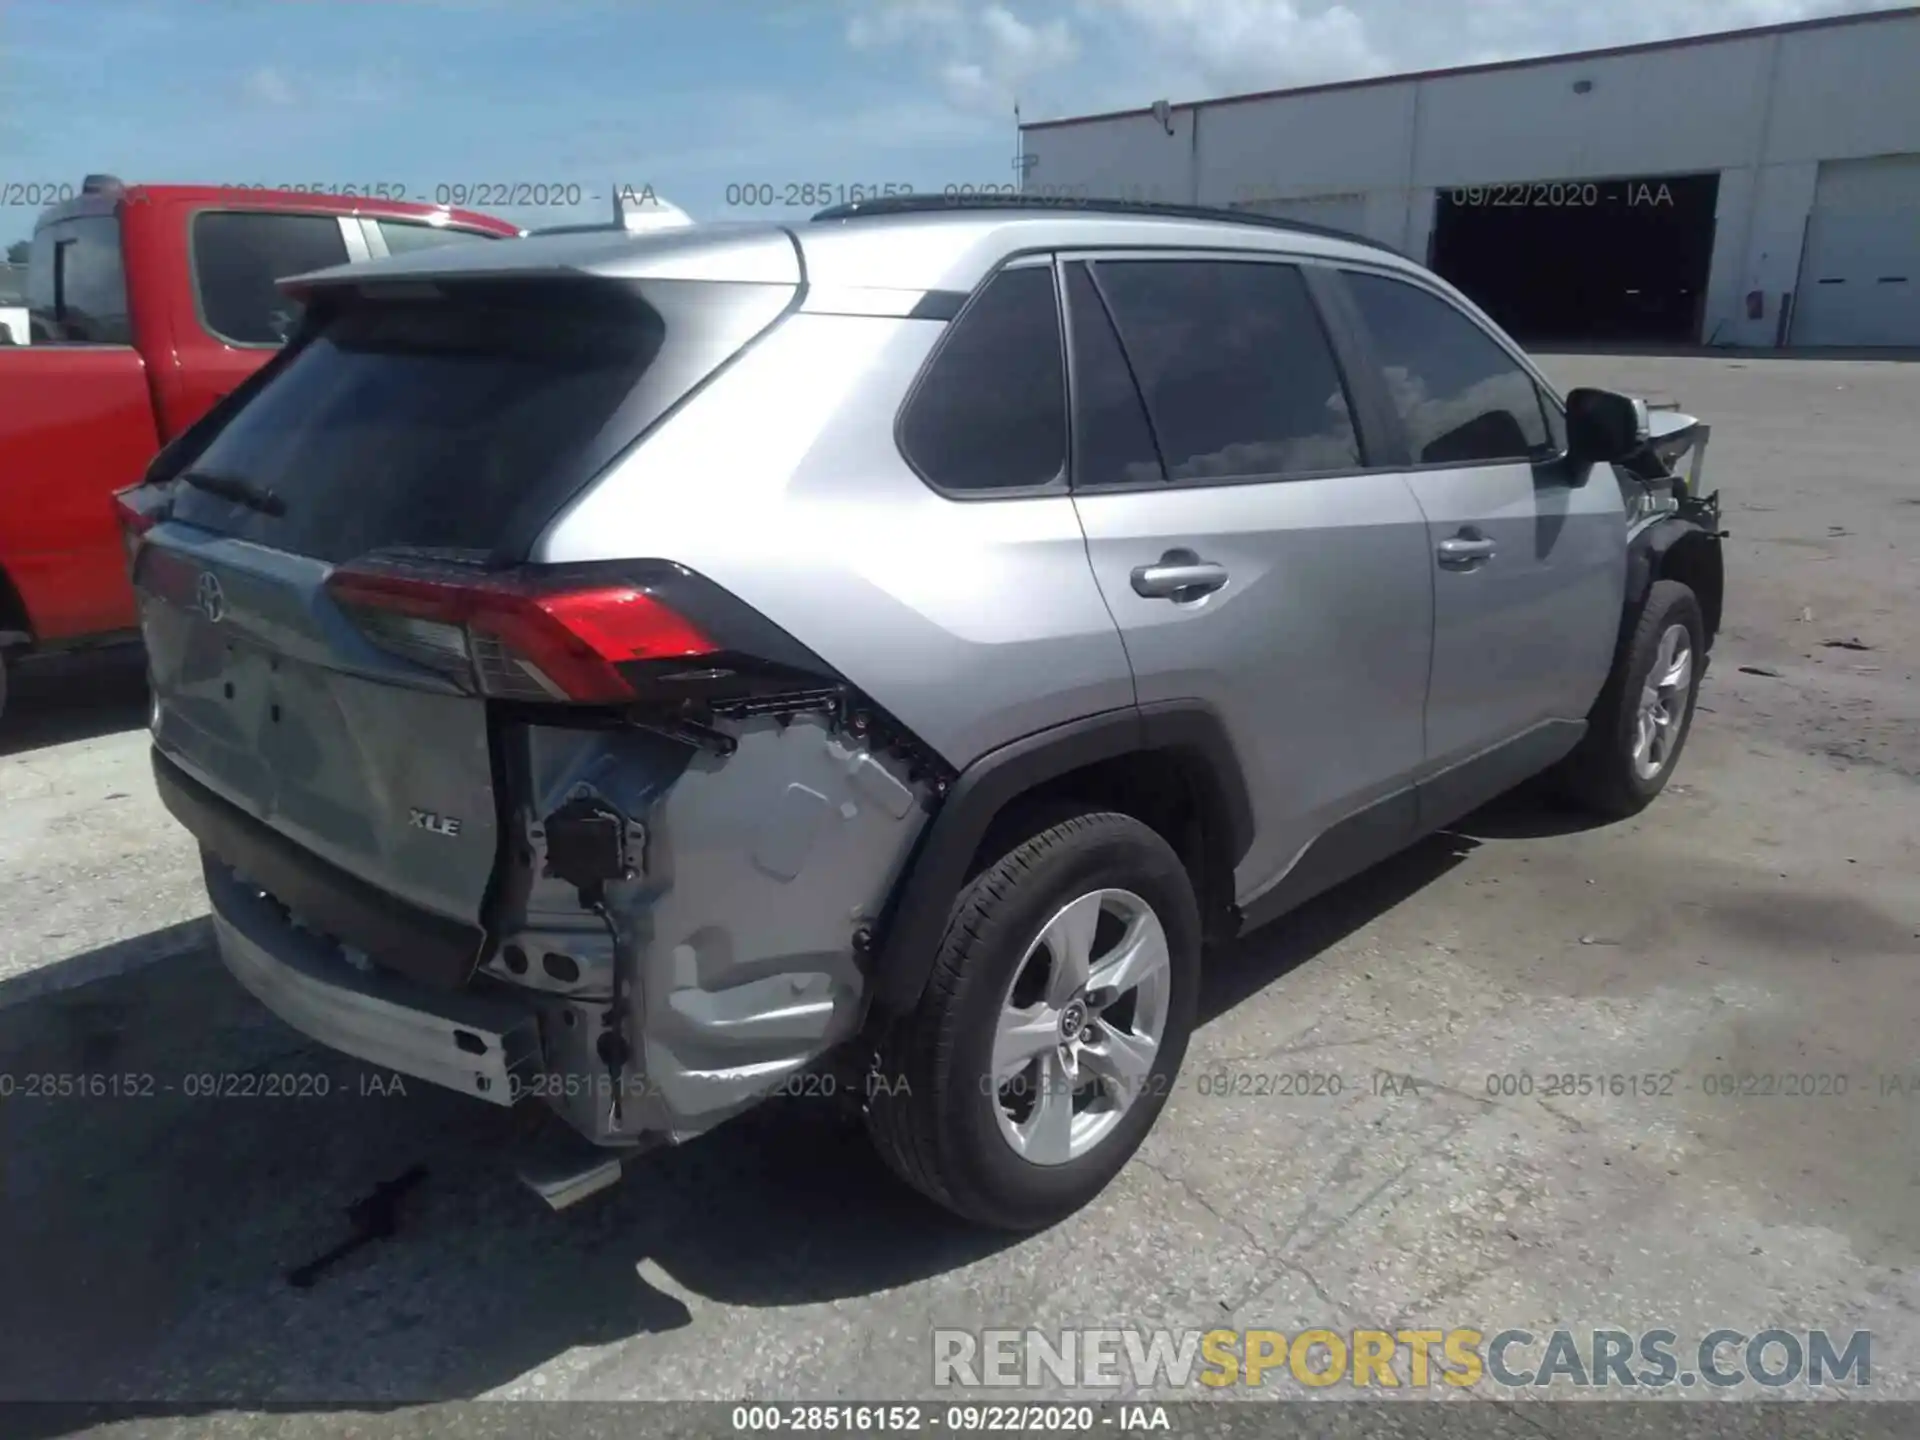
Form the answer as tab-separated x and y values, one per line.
693	97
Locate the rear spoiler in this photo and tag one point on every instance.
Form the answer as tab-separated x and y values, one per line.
634	212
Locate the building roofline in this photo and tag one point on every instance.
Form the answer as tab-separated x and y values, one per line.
1717	37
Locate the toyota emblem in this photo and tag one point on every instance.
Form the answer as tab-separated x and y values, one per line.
212	599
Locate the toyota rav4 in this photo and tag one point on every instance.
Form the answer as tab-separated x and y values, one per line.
629	673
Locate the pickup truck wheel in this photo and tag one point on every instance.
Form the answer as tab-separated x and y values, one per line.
1639	724
3	684
1051	1029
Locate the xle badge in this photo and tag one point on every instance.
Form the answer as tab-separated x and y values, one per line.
438	824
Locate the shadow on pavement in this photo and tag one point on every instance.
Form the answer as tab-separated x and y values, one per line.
57	699
171	1150
1249	965
183	1149
120	958
1530	812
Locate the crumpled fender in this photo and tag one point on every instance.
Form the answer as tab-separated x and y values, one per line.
1683	547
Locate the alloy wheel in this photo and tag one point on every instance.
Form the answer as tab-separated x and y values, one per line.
1080	1026
1663	703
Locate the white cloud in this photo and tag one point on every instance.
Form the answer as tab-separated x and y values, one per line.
1017	46
1253	44
982	55
265	85
895	22
760	136
1078	55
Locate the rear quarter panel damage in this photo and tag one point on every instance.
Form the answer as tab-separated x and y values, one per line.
753	873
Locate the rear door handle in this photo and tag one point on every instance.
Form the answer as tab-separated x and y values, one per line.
1178	576
1465	549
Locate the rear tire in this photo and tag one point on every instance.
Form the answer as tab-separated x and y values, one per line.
990	1142
1639	725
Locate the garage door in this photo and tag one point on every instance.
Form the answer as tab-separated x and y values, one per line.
1344	211
1860	275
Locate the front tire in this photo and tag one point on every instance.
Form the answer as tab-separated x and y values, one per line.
1639	725
1051	1030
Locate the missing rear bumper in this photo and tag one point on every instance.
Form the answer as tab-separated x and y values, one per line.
436	951
483	1045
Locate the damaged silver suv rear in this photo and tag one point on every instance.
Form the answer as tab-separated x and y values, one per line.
595	834
631	673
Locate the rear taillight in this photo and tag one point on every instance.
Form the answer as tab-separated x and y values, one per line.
513	638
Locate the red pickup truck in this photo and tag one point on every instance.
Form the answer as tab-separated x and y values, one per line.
146	304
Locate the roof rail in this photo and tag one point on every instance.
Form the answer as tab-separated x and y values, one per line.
1088	205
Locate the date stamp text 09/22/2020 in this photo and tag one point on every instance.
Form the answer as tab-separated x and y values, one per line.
474	194
820	194
567	194
1223	1081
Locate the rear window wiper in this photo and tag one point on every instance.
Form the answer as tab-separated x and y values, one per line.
234	488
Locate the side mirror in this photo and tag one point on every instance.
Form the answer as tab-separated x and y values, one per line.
1604	426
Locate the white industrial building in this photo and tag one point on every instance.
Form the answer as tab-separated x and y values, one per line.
1755	188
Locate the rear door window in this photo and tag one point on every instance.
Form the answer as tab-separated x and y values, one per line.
1112	442
239	258
444	423
1236	368
990	411
77	285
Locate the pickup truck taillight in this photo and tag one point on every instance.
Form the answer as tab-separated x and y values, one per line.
514	639
137	509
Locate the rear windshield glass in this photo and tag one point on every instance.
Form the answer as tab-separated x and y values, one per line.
448	423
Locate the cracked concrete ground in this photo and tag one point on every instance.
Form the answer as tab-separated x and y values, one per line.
1761	919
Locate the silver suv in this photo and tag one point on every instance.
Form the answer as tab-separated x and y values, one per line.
647	673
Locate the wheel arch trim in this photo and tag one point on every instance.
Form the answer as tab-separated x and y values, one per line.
1657	552
922	897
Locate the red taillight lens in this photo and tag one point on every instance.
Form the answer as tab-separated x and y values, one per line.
132	517
135	520
519	641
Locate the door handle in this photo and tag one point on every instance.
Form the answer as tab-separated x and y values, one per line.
1466	548
1179	575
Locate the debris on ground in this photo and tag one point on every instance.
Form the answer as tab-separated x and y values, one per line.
1854	644
375	1216
1759	670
